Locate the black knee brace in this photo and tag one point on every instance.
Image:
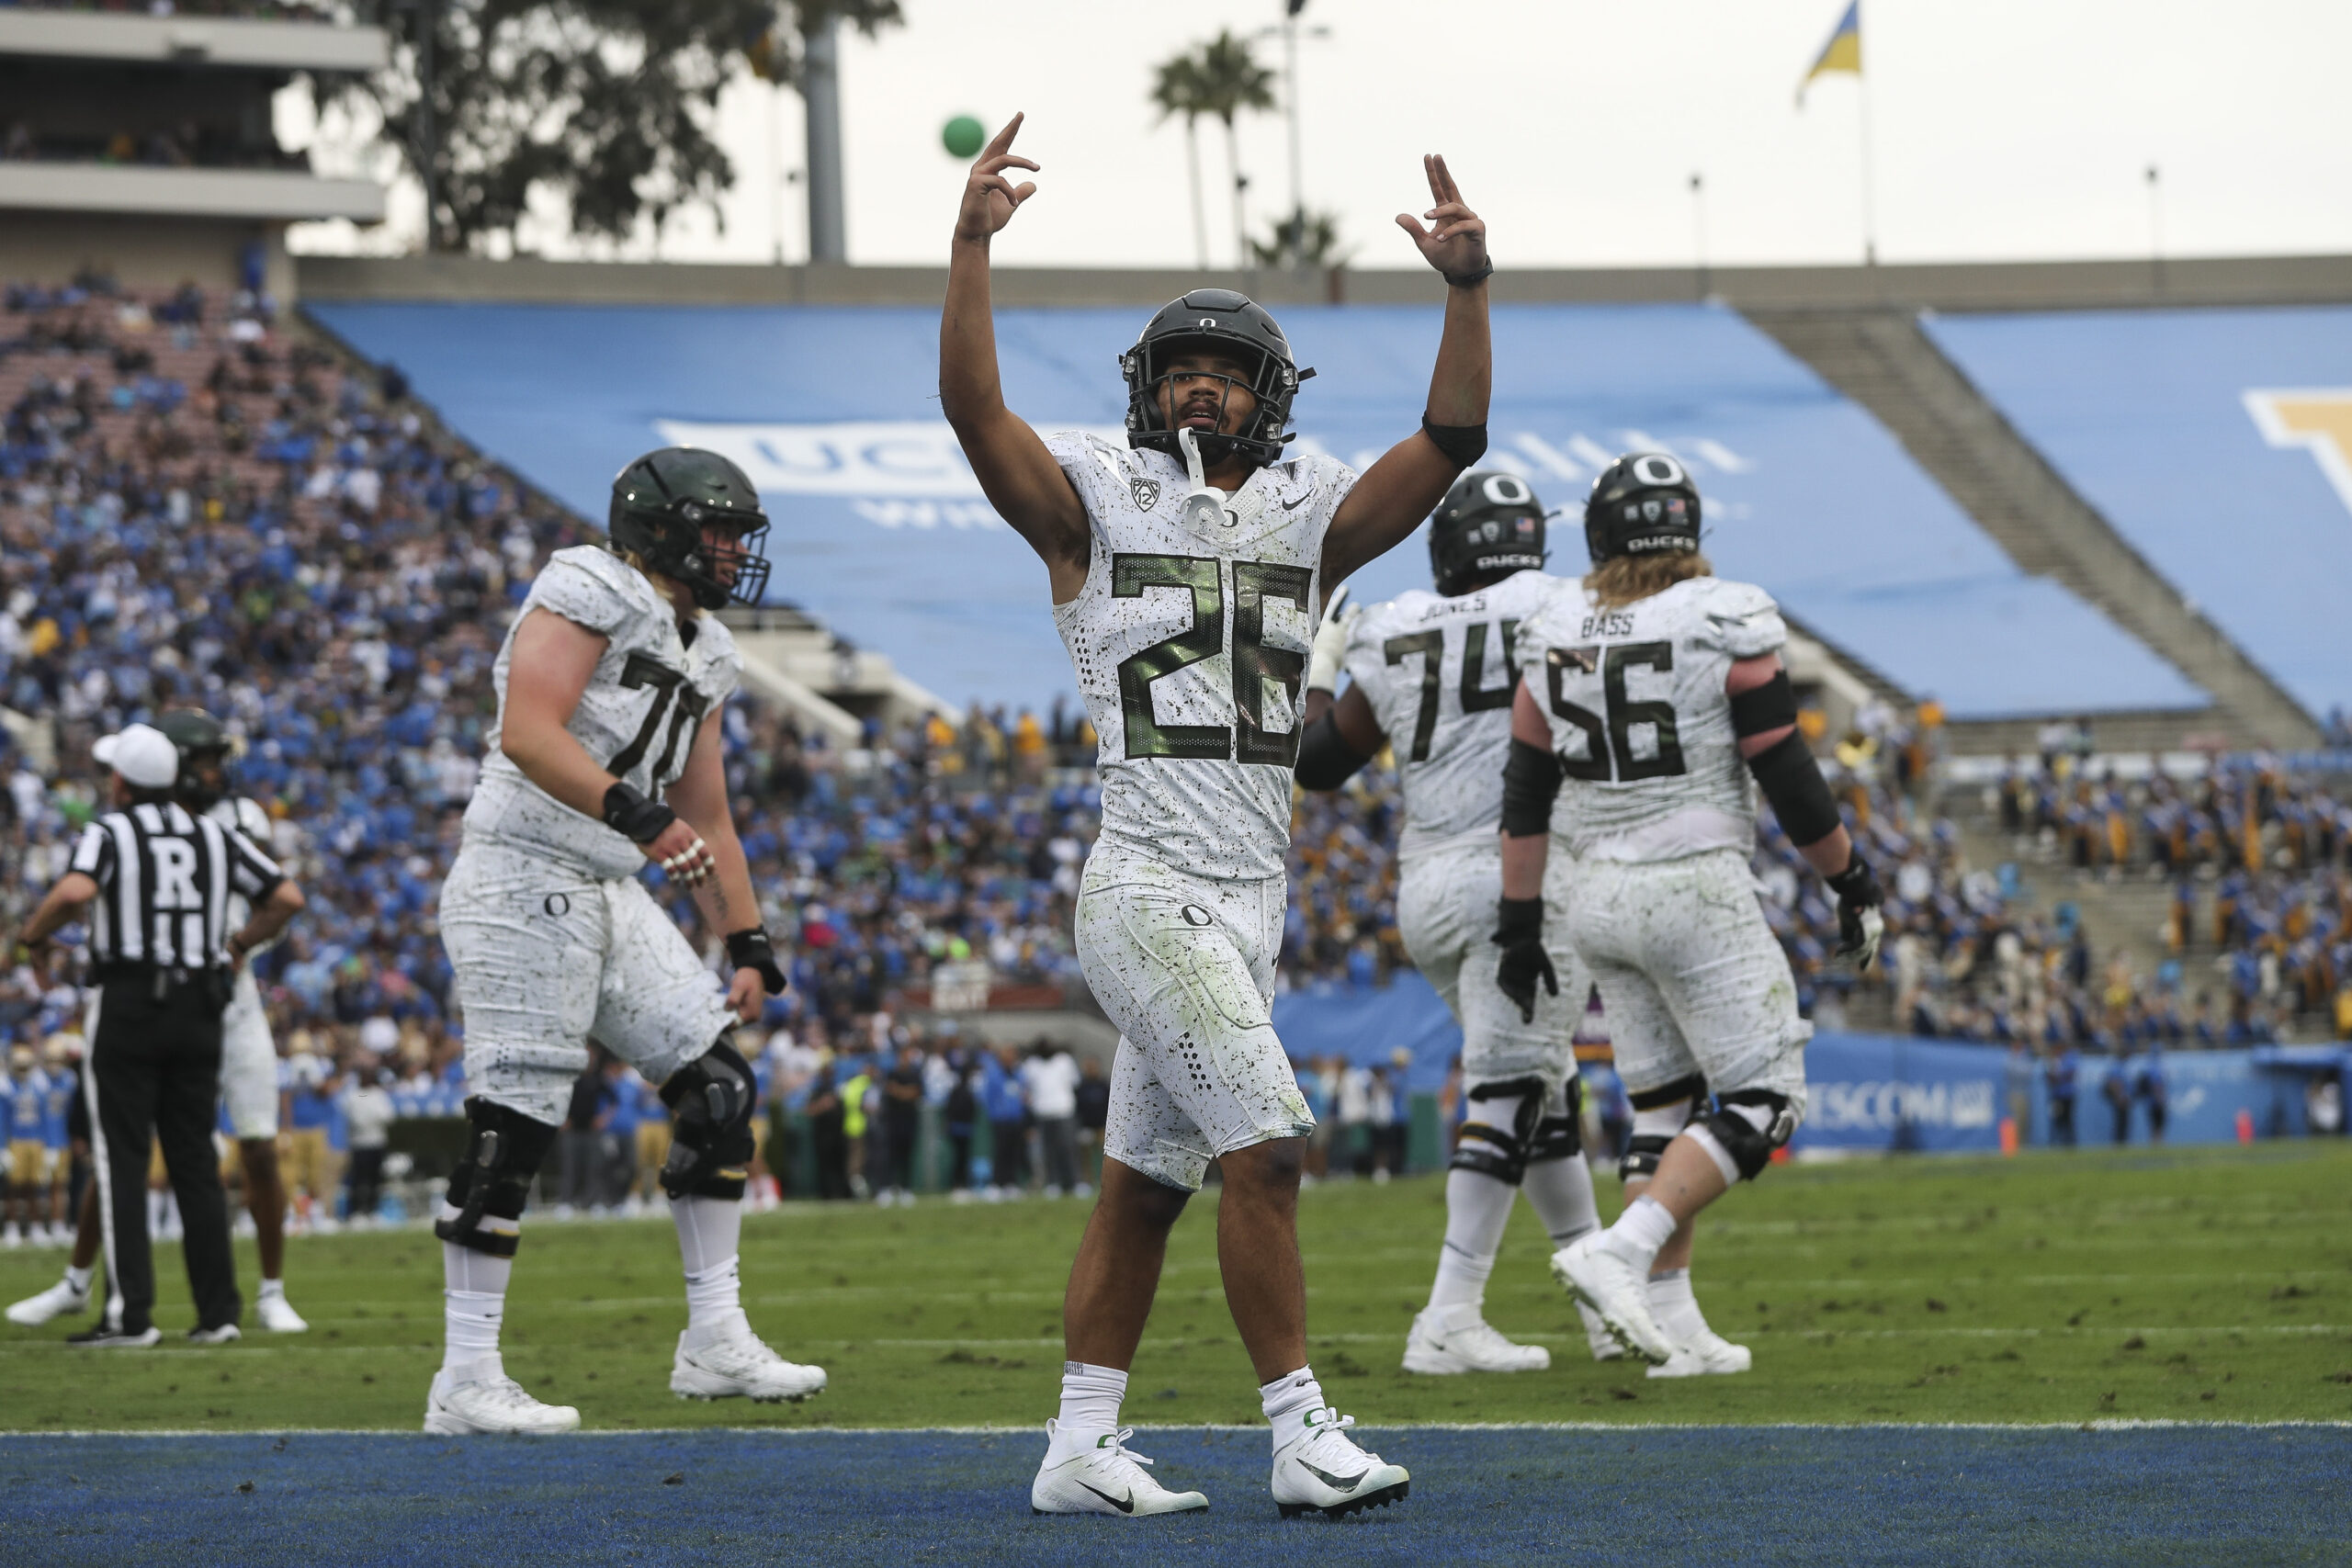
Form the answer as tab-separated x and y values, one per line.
1560	1137
504	1150
1749	1144
1494	1151
710	1100
1644	1150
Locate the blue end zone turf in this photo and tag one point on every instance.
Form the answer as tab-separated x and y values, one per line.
1630	1495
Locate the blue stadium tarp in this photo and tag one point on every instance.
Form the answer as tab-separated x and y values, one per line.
1866	1091
2218	442
881	530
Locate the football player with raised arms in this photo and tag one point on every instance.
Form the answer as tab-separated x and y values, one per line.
1188	569
1430	674
1651	693
606	758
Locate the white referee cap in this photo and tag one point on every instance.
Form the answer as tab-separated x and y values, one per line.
142	754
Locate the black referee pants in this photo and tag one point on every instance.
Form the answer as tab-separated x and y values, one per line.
154	1072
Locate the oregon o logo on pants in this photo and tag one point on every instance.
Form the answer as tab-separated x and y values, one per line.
1195	914
558	903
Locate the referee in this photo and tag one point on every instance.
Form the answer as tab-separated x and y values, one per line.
162	957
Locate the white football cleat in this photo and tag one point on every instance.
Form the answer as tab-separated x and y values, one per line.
726	1360
1319	1470
1708	1353
1618	1294
1459	1339
1596	1334
61	1299
279	1315
479	1400
1104	1479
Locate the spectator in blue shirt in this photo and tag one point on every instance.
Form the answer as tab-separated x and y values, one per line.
1006	1105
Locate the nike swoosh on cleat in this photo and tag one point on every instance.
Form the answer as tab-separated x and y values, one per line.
1126	1504
1324	1476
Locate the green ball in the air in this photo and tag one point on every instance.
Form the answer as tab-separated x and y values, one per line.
962	136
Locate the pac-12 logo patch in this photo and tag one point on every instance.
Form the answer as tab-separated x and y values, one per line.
1146	493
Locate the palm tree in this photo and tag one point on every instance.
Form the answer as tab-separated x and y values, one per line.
1303	240
1232	82
1176	89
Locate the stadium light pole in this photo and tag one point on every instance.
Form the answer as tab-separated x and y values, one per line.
1288	32
821	92
2157	227
1698	231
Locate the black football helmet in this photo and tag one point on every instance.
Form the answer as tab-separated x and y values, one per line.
1643	503
662	504
1488	526
1231	323
205	747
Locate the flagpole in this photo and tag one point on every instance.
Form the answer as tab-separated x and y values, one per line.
1869	216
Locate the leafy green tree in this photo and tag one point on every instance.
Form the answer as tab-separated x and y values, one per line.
604	104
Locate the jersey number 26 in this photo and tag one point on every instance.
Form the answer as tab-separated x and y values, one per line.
1254	663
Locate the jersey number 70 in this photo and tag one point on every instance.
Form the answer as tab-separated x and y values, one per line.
1254	663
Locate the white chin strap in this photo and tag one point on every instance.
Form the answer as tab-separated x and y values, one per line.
1204	505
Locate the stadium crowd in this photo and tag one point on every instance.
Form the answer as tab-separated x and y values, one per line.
200	505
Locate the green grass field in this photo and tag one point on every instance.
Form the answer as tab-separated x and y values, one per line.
2178	1284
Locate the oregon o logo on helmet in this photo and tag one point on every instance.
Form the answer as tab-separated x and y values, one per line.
1657	469
1208	321
1506	489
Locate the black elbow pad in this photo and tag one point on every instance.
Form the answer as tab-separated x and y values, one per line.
1325	759
1531	783
1792	780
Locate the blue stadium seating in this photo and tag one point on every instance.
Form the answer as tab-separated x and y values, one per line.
2157	418
881	531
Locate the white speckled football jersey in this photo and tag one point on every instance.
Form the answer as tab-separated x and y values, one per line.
1640	720
1439	674
1190	640
649	693
247	818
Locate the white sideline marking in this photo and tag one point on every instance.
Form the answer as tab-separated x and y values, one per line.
2110	1423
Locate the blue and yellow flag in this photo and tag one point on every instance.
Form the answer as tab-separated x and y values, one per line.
1842	52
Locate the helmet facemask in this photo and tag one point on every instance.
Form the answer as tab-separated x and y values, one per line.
716	561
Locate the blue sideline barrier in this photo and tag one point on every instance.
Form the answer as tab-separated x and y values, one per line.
1867	1091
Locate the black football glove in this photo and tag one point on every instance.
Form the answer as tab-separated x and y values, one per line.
1519	931
751	949
1860	924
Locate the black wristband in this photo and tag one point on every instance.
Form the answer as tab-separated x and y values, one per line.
1326	760
1857	883
1461	443
750	949
1470	279
635	818
1518	917
1792	780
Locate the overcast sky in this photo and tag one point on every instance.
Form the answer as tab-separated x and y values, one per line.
2001	128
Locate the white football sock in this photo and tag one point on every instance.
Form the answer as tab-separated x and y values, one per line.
1477	1207
1640	1231
79	1277
1674	1306
710	1233
1287	1400
1091	1400
1561	1190
272	1287
474	1302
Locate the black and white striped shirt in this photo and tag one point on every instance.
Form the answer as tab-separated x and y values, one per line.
165	878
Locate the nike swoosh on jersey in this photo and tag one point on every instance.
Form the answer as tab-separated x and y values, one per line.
1324	1476
1126	1504
1303	497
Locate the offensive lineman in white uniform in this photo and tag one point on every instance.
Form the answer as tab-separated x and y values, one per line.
607	757
1432	675
1650	693
1188	573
